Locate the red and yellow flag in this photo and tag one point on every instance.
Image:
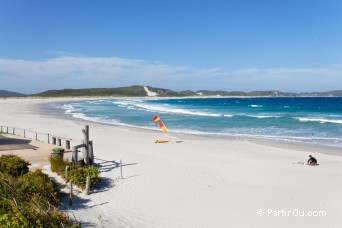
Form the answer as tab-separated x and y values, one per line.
156	118
161	124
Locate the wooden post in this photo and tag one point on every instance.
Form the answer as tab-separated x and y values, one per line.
36	136
91	153
121	169
66	173
86	143
74	155
59	142
84	152
48	138
67	144
87	185
24	133
13	131
70	202
7	130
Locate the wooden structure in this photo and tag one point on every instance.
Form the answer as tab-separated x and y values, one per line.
38	136
87	149
58	141
87	145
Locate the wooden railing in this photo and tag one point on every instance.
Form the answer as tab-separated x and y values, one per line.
38	136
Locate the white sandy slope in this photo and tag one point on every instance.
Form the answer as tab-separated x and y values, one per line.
195	182
150	93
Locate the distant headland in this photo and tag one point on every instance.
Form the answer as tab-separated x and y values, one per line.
148	91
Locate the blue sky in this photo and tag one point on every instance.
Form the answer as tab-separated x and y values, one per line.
219	45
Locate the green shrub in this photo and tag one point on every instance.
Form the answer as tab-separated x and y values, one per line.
39	185
13	165
28	202
79	175
58	165
30	217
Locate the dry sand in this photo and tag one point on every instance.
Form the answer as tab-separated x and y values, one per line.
196	182
36	152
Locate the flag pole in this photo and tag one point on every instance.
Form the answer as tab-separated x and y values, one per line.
162	126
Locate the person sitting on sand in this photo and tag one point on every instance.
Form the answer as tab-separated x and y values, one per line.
312	161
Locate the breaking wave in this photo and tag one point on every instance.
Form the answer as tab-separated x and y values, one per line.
320	120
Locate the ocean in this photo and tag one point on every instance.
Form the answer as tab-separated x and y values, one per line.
304	120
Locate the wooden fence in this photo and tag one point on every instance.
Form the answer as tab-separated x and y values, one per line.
38	136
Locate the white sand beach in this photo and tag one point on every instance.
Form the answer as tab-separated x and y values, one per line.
194	181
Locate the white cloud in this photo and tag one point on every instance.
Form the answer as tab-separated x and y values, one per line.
290	79
72	72
30	76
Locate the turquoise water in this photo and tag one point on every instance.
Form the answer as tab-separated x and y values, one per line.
314	121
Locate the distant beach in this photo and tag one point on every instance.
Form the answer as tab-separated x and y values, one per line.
311	121
196	180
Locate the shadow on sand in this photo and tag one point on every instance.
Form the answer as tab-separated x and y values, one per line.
107	166
103	185
15	144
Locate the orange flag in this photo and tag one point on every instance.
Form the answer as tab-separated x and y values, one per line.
155	119
161	124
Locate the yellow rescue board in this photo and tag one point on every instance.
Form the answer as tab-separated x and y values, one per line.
161	141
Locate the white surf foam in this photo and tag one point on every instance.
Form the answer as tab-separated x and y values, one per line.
263	117
163	108
320	120
68	108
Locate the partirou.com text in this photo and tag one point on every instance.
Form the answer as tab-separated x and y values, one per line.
292	212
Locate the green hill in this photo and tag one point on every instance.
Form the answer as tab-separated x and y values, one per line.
141	91
132	91
5	93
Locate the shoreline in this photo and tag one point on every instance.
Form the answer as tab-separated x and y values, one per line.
198	182
161	97
302	146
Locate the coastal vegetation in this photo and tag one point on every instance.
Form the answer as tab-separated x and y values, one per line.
13	165
123	91
77	173
79	176
28	199
139	91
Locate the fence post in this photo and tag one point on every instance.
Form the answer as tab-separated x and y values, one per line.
48	138
66	173
74	155
36	136
70	202
87	185
67	144
7	130
24	134
13	131
91	153
121	168
86	143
